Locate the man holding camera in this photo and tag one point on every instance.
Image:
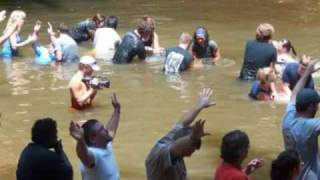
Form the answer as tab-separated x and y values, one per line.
82	94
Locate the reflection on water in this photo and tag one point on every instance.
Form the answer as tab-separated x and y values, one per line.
153	102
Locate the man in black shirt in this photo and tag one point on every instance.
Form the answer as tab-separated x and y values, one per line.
132	44
37	161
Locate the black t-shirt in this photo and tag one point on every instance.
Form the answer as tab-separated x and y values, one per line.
205	52
81	31
39	163
257	55
177	60
130	46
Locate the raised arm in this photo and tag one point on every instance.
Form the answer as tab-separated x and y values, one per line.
82	150
203	102
303	80
186	145
113	123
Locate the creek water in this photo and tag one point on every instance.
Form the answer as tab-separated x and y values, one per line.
152	102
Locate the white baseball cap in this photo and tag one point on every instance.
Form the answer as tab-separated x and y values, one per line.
89	60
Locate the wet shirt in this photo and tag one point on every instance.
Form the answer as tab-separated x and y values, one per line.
7	50
159	163
130	46
38	163
291	76
68	47
81	31
105	42
177	60
226	171
257	55
205	52
256	90
105	166
302	134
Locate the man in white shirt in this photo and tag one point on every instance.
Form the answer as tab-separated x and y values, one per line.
94	146
106	39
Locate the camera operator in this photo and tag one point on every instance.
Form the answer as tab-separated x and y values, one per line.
83	92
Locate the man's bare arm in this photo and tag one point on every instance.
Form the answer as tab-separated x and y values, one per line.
113	123
82	150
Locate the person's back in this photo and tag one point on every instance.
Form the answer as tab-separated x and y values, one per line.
159	164
291	76
80	32
130	46
39	163
177	60
302	134
257	55
105	42
68	47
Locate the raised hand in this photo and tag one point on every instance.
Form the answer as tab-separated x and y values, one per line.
253	165
37	26
204	98
2	15
50	29
115	103
76	131
198	130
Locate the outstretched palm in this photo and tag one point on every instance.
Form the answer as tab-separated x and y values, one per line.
115	103
76	131
204	98
198	129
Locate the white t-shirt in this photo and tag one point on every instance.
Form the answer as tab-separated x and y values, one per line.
104	42
105	167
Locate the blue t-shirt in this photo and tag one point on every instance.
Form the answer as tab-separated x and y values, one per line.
256	89
291	76
130	46
257	55
177	60
302	134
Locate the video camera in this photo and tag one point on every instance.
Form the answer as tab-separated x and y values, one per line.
96	82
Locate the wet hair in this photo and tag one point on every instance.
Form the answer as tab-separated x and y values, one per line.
97	18
264	32
88	130
144	27
302	107
112	22
149	20
185	38
282	167
206	39
15	16
289	47
63	28
43	130
233	145
266	75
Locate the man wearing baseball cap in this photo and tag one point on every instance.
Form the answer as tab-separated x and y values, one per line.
300	128
81	93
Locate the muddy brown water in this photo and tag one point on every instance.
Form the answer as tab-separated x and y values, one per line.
151	102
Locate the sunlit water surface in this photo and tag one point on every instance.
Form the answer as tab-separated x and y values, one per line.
151	102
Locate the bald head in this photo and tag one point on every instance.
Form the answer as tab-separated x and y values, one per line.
185	38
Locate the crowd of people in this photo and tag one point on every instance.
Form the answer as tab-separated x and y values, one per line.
273	67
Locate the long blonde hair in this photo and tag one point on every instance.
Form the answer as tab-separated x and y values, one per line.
15	16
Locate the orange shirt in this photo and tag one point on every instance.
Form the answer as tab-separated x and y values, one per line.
226	171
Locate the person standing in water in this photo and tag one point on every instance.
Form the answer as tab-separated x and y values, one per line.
203	47
259	53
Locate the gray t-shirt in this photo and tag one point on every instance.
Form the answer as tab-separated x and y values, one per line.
302	134
159	163
68	47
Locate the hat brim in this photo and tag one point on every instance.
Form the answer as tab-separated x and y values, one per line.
95	67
